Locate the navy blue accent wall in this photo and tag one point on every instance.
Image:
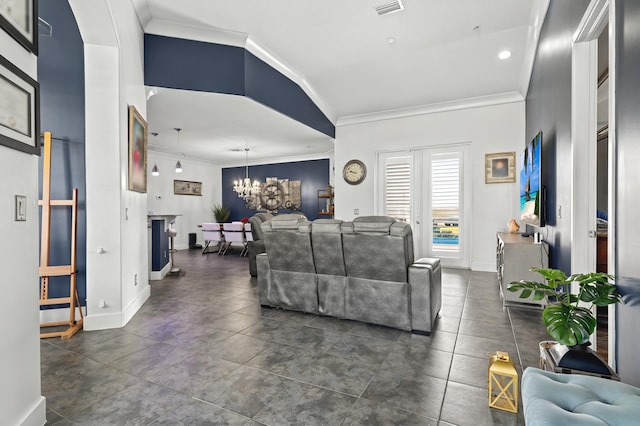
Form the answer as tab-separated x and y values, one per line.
267	86
627	187
548	108
313	175
209	67
159	245
61	77
193	65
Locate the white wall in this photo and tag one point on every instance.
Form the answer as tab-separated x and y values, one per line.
194	210
21	402
116	217
135	270
488	129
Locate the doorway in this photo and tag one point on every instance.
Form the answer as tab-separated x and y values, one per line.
593	136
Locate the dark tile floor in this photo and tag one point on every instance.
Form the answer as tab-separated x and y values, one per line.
201	351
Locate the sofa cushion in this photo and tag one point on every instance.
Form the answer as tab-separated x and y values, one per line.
375	225
287	240
377	248
326	241
557	399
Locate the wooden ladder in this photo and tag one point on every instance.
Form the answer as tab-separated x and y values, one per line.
47	270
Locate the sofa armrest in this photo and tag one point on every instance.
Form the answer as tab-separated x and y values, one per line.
425	279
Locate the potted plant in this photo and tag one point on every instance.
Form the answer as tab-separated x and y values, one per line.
569	318
221	213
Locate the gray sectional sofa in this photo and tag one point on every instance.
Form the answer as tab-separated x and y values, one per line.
362	270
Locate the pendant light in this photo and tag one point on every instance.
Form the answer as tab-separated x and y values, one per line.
155	171
178	165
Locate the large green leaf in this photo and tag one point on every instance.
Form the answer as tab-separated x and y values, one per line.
554	277
600	295
527	288
567	324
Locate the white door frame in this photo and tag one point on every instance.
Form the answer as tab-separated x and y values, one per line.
584	79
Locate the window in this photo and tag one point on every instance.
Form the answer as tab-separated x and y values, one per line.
445	202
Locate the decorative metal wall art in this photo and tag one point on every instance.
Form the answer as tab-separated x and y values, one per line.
276	194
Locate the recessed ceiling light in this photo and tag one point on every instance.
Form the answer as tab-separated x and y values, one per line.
391	40
505	54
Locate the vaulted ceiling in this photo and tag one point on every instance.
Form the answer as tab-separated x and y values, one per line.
353	62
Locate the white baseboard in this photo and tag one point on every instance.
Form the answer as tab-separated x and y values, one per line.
158	275
38	414
102	321
483	266
129	311
117	319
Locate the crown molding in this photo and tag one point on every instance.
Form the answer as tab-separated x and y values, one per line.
279	160
481	101
279	64
196	33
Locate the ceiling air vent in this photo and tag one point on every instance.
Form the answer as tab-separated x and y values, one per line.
389	7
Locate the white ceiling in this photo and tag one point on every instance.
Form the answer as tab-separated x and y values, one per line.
337	50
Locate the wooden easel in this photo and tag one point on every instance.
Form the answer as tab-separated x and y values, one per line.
47	270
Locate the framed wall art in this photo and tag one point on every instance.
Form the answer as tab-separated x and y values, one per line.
19	109
185	187
500	167
19	18
137	151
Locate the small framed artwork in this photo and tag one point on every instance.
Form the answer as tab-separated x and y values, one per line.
21	208
137	151
185	187
500	167
19	109
19	18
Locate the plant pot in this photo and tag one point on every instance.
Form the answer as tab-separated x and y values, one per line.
580	359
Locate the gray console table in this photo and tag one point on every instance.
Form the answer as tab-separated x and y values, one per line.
515	254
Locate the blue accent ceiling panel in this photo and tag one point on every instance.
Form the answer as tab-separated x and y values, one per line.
216	68
193	65
267	86
313	176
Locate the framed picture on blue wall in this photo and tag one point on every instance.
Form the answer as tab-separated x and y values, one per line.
19	109
19	18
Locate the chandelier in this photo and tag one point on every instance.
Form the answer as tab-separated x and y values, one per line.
245	188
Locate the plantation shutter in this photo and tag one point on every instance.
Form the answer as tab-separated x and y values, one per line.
398	188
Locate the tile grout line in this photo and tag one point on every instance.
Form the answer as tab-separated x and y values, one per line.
453	351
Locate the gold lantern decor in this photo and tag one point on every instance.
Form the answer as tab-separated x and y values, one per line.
503	382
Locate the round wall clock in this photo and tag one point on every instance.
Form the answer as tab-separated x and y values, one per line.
354	172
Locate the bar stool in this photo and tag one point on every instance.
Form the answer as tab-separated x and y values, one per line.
172	234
